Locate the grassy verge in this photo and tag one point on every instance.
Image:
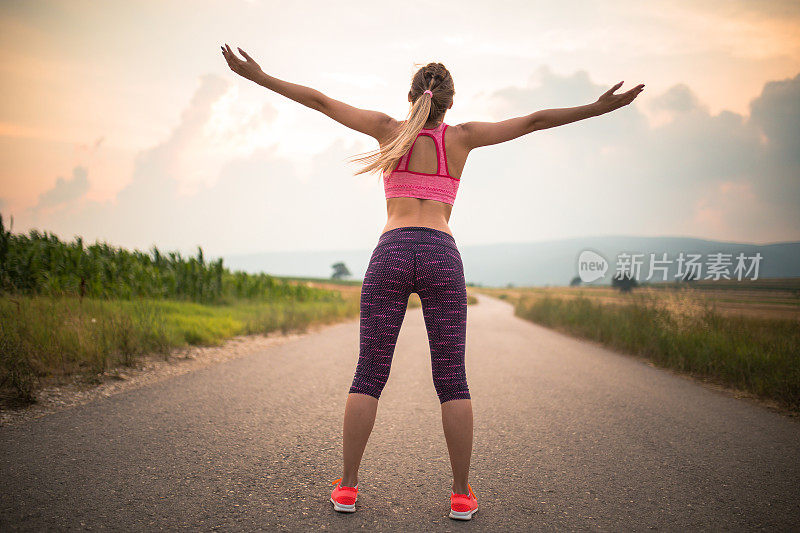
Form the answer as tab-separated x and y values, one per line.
754	354
44	338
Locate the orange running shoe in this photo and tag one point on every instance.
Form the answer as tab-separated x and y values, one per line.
463	506
344	498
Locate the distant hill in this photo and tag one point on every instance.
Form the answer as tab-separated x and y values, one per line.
536	263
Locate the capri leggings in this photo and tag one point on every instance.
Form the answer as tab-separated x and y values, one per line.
425	261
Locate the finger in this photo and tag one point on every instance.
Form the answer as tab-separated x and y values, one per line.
637	89
245	54
614	88
233	63
226	56
230	52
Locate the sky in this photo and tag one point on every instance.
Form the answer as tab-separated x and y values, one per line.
122	122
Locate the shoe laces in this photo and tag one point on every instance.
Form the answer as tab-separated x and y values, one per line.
471	493
335	481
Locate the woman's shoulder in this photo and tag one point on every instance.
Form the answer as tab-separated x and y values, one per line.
455	133
391	128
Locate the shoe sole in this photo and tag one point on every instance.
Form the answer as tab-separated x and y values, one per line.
342	508
465	515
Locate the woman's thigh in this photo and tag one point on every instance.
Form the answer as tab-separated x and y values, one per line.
443	293
387	285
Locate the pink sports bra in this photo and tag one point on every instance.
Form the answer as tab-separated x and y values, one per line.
440	186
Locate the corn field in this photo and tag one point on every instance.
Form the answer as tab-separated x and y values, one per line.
41	264
67	309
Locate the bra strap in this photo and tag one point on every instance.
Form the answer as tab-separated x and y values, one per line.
439	136
438	141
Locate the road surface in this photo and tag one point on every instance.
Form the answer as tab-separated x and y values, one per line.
568	436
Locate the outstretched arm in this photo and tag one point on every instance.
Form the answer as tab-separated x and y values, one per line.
373	123
477	134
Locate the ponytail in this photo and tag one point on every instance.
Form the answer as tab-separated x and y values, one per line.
431	95
384	160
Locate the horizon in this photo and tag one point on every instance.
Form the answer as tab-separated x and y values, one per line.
189	252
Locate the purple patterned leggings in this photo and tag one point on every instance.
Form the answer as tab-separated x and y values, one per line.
426	261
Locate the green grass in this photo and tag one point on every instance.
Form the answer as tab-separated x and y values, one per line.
758	355
44	337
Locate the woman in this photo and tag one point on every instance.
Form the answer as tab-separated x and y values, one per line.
421	160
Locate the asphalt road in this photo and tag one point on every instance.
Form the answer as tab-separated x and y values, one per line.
568	436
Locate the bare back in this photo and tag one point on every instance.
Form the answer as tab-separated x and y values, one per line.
403	212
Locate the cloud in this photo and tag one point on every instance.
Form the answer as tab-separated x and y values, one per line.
776	113
65	190
679	98
618	174
256	201
747	167
719	176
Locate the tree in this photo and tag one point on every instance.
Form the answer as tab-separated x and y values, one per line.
339	271
624	283
575	281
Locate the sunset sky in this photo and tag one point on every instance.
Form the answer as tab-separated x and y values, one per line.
121	121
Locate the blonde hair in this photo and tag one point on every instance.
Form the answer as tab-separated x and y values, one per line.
424	107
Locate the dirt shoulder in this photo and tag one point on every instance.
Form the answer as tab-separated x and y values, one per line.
149	369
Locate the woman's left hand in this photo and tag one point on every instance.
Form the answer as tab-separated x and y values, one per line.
247	69
609	101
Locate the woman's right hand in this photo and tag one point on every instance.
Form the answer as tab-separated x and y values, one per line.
247	69
609	101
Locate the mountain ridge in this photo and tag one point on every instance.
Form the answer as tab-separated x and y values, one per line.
551	262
